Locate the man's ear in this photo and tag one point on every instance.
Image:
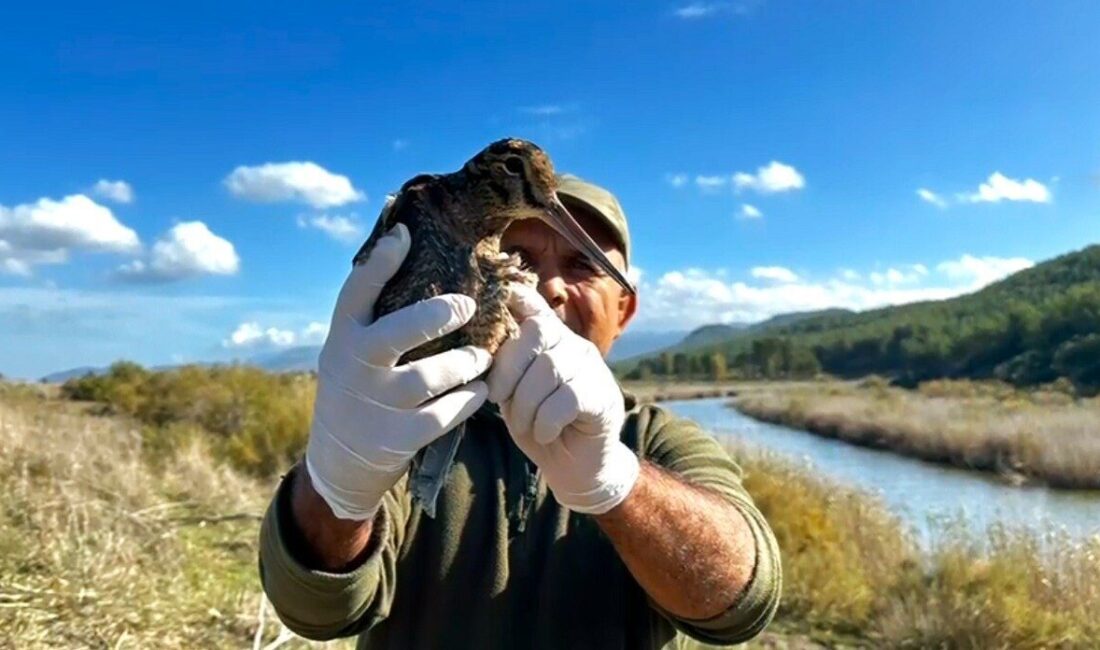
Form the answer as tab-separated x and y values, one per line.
628	306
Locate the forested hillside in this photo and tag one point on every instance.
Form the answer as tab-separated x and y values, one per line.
1033	327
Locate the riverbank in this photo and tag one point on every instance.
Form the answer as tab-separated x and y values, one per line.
1039	436
853	575
666	391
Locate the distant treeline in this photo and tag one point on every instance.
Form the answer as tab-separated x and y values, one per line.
1036	326
767	358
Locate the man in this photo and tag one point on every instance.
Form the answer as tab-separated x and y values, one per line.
573	517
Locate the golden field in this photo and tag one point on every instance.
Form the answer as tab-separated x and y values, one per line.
116	532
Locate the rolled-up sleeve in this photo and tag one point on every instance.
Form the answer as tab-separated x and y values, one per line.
682	447
320	605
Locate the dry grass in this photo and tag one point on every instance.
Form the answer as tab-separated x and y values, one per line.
852	574
652	391
1043	436
99	550
102	548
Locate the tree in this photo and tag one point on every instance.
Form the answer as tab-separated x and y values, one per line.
680	366
718	371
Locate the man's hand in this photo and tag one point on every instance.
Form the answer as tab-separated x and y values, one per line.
371	416
563	408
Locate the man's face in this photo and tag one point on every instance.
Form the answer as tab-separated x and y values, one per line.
586	299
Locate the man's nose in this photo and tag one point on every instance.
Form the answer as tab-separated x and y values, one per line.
552	288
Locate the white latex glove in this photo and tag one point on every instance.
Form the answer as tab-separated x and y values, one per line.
370	417
563	408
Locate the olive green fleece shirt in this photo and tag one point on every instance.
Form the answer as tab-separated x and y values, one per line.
504	566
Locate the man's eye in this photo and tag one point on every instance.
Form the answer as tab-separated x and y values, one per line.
585	265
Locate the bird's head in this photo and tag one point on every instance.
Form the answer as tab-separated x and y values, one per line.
514	179
511	179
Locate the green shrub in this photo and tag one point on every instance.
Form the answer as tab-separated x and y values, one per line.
258	420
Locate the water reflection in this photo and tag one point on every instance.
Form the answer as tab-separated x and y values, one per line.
921	493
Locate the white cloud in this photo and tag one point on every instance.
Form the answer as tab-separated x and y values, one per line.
73	222
693	297
696	10
1002	188
750	212
544	110
771	178
710	183
251	335
13	266
22	262
117	191
676	180
928	196
774	273
400	145
189	249
304	182
894	277
314	333
340	228
978	272
44	232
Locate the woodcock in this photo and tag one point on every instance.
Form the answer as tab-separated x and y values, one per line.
455	222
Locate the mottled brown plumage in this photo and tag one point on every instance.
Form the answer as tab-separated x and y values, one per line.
455	222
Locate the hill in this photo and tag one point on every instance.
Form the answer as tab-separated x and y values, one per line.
786	320
1033	327
64	375
708	334
297	359
639	343
707	337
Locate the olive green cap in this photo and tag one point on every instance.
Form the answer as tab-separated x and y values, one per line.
602	204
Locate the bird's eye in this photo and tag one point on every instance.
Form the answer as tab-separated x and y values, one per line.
514	166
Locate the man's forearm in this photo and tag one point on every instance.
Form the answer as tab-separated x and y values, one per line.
324	541
691	551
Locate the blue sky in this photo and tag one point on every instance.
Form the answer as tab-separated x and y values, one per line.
769	153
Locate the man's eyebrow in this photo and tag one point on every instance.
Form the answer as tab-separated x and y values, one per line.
578	256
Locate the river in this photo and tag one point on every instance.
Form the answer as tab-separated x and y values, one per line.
921	493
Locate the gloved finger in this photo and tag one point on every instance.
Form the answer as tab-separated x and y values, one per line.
525	302
536	335
366	280
541	379
391	336
445	413
426	378
556	412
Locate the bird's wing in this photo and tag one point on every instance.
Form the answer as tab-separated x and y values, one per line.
389	216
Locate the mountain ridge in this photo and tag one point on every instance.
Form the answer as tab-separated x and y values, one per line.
1034	326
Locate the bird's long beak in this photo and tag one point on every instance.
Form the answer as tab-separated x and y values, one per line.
558	218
